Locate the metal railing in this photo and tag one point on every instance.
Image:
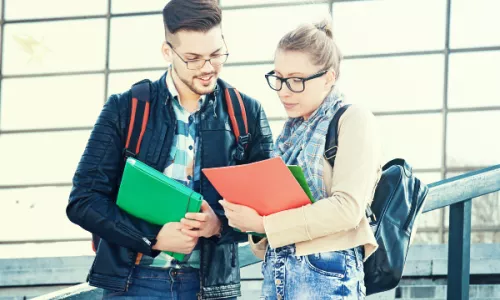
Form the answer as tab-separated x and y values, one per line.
456	192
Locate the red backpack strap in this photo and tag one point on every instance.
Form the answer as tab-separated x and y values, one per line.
239	123
139	115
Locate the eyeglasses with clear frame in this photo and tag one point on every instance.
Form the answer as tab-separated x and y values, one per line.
196	64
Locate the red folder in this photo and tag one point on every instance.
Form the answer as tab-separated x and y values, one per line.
267	186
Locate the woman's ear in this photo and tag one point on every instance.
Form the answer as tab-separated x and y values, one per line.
330	79
166	52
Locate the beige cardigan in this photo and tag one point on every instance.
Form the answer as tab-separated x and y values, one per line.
337	222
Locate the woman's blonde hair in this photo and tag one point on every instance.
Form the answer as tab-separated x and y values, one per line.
316	40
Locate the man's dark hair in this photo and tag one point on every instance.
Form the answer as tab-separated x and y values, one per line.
191	15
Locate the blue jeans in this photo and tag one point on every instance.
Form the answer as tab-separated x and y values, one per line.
154	283
330	275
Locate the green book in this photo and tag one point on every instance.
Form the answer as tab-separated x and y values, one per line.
148	194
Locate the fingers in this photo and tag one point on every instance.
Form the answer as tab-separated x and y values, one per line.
187	227
233	225
205	206
231	215
174	225
191	223
229	206
189	243
192	233
188	238
202	217
188	248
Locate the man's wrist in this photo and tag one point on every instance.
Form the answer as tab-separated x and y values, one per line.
218	233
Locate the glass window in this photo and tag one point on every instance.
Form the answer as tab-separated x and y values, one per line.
31	158
50	102
250	80
474	23
394	84
54	47
248	40
425	238
485	237
37	214
363	27
473	139
416	138
430	219
255	2
121	82
29	9
136	42
130	6
474	79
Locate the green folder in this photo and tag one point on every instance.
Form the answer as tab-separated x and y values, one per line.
148	194
301	179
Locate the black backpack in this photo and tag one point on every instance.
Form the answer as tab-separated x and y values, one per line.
139	115
399	198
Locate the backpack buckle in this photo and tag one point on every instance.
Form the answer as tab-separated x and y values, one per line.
245	139
330	153
241	146
370	215
127	153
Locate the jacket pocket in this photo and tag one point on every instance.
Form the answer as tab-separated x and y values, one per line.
332	263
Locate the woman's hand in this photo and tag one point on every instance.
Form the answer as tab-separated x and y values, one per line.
243	218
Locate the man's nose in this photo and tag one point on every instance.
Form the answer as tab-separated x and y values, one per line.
207	67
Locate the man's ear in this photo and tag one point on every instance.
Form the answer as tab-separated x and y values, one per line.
166	52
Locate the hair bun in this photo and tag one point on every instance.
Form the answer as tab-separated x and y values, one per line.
325	26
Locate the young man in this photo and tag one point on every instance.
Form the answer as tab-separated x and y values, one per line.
188	130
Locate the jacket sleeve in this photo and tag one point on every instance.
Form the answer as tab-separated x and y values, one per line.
355	176
95	185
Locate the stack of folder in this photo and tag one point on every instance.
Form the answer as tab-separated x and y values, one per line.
150	195
267	186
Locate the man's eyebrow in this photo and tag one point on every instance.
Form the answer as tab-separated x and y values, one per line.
199	55
217	50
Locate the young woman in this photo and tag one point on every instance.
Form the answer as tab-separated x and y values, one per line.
317	251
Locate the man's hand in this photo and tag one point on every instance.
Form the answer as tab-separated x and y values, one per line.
170	238
243	218
205	224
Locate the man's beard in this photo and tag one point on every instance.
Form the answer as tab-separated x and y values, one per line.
200	90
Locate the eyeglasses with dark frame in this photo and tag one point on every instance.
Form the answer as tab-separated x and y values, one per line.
294	84
196	64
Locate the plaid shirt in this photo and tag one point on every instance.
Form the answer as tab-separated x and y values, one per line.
183	166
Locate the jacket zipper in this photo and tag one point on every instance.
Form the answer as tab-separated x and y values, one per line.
200	148
233	256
